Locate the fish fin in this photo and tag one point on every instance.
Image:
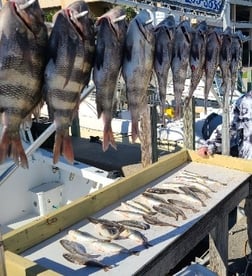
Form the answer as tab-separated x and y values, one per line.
74	258
18	154
145	31
63	144
159	53
128	52
186	34
12	147
99	54
108	138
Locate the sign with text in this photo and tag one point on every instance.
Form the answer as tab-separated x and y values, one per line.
211	6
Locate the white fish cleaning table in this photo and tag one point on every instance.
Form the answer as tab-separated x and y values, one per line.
38	242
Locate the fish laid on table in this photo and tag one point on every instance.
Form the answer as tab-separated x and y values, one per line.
76	248
206	178
174	209
99	244
110	40
134	224
137	65
83	260
109	232
156	221
188	191
133	207
198	182
180	61
140	204
110	247
22	60
225	59
153	199
82	236
106	222
162	191
182	204
129	213
70	60
213	45
164	35
197	56
195	189
165	211
137	236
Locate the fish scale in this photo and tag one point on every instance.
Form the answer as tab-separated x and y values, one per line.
22	58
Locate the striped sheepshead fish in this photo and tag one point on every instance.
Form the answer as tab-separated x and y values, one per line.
71	51
138	65
22	61
111	34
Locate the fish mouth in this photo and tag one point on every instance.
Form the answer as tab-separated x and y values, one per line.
32	20
74	20
110	23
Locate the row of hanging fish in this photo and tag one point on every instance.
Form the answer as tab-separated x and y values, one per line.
34	67
162	205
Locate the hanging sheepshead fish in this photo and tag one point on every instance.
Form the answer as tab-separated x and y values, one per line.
71	52
180	60
225	59
197	56
138	65
22	60
110	40
164	35
213	45
236	58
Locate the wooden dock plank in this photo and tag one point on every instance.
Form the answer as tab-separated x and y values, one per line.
16	265
223	161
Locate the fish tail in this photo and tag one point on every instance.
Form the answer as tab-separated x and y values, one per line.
108	138
63	144
14	147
